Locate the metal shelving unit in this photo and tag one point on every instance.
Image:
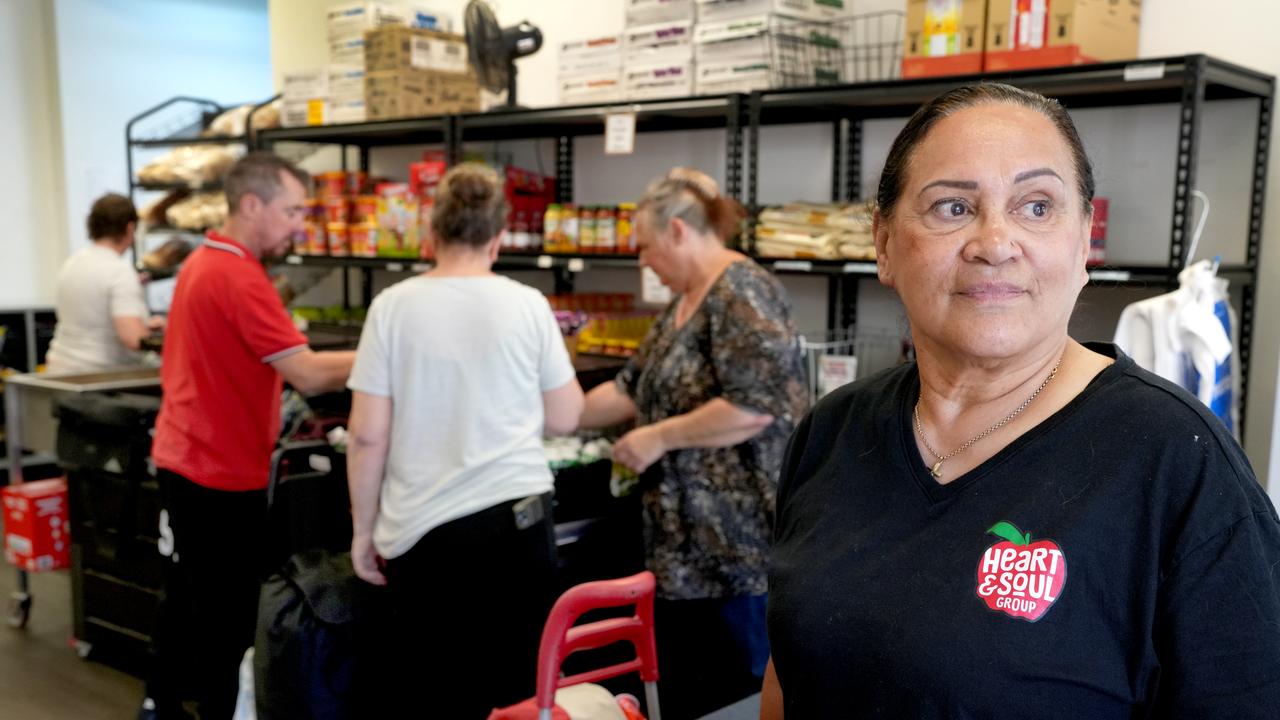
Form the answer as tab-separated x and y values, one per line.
1188	81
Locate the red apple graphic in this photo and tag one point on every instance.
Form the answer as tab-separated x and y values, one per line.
1020	578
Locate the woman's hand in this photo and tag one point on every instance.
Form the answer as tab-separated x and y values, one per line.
640	448
364	558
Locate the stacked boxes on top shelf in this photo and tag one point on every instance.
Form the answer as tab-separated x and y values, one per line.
415	72
336	93
590	70
745	45
658	49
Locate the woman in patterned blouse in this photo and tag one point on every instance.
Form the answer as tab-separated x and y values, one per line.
715	392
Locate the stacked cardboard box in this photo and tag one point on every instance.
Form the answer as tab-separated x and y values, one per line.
745	45
590	70
956	37
412	72
658	60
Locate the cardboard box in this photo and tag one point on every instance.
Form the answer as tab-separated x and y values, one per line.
345	82
419	93
36	530
399	48
658	80
944	37
350	51
426	18
717	78
587	89
815	10
589	64
351	20
1079	30
658	43
304	85
649	12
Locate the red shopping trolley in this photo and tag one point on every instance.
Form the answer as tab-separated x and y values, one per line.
561	638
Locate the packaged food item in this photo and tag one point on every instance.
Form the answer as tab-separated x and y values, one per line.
364	209
357	182
587	230
625	229
398	219
300	243
518	237
1098	233
339	242
364	239
337	209
317	239
330	184
315	211
606	230
551	220
568	229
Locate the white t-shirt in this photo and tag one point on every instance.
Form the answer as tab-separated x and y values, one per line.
465	361
95	285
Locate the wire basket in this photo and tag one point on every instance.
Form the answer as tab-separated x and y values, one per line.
774	52
836	357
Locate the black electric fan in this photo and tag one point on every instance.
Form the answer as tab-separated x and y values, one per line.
494	49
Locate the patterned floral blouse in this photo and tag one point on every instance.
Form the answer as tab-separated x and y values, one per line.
709	511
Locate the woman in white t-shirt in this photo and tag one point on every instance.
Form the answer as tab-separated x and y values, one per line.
102	313
458	375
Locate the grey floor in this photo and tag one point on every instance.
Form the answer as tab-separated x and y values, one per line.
41	678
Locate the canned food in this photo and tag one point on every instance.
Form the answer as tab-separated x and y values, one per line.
331	184
317	239
339	241
364	209
337	209
364	239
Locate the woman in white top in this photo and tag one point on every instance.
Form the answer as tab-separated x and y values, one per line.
102	313
458	375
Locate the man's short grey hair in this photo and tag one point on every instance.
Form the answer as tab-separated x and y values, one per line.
259	174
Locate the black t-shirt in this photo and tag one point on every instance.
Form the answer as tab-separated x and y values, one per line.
1115	561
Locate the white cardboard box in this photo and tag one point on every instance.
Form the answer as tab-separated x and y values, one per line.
584	89
658	80
427	18
346	81
658	42
649	12
347	52
599	45
300	86
732	76
350	20
591	56
816	10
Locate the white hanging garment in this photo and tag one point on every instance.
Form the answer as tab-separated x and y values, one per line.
1186	337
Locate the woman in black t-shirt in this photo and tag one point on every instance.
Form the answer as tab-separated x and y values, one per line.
1017	525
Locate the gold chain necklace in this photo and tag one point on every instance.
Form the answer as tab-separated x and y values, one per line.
936	470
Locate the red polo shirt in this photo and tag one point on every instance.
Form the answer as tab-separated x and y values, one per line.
220	414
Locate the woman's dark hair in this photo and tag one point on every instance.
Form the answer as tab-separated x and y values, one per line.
900	153
695	198
110	216
470	208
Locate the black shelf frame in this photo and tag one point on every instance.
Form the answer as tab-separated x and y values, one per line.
1187	81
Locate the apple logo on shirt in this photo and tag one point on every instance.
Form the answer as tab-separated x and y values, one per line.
1018	577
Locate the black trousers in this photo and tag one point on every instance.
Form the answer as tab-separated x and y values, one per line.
711	653
470	599
207	618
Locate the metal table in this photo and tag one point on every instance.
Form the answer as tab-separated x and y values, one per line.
131	378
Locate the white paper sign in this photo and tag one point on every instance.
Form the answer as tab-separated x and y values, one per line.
620	134
652	291
834	371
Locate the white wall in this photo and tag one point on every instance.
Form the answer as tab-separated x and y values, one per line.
31	184
117	58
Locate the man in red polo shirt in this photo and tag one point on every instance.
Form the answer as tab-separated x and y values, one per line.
229	343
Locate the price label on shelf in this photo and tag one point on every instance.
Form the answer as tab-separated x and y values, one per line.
652	291
620	134
420	267
1143	71
395	267
794	265
545	261
576	265
293	260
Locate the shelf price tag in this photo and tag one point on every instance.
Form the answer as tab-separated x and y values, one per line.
545	261
1143	71
1110	275
859	268
620	134
420	267
293	260
576	265
652	291
395	267
794	265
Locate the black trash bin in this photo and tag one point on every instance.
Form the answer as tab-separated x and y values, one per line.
104	446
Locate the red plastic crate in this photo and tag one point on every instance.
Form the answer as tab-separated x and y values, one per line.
36	532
